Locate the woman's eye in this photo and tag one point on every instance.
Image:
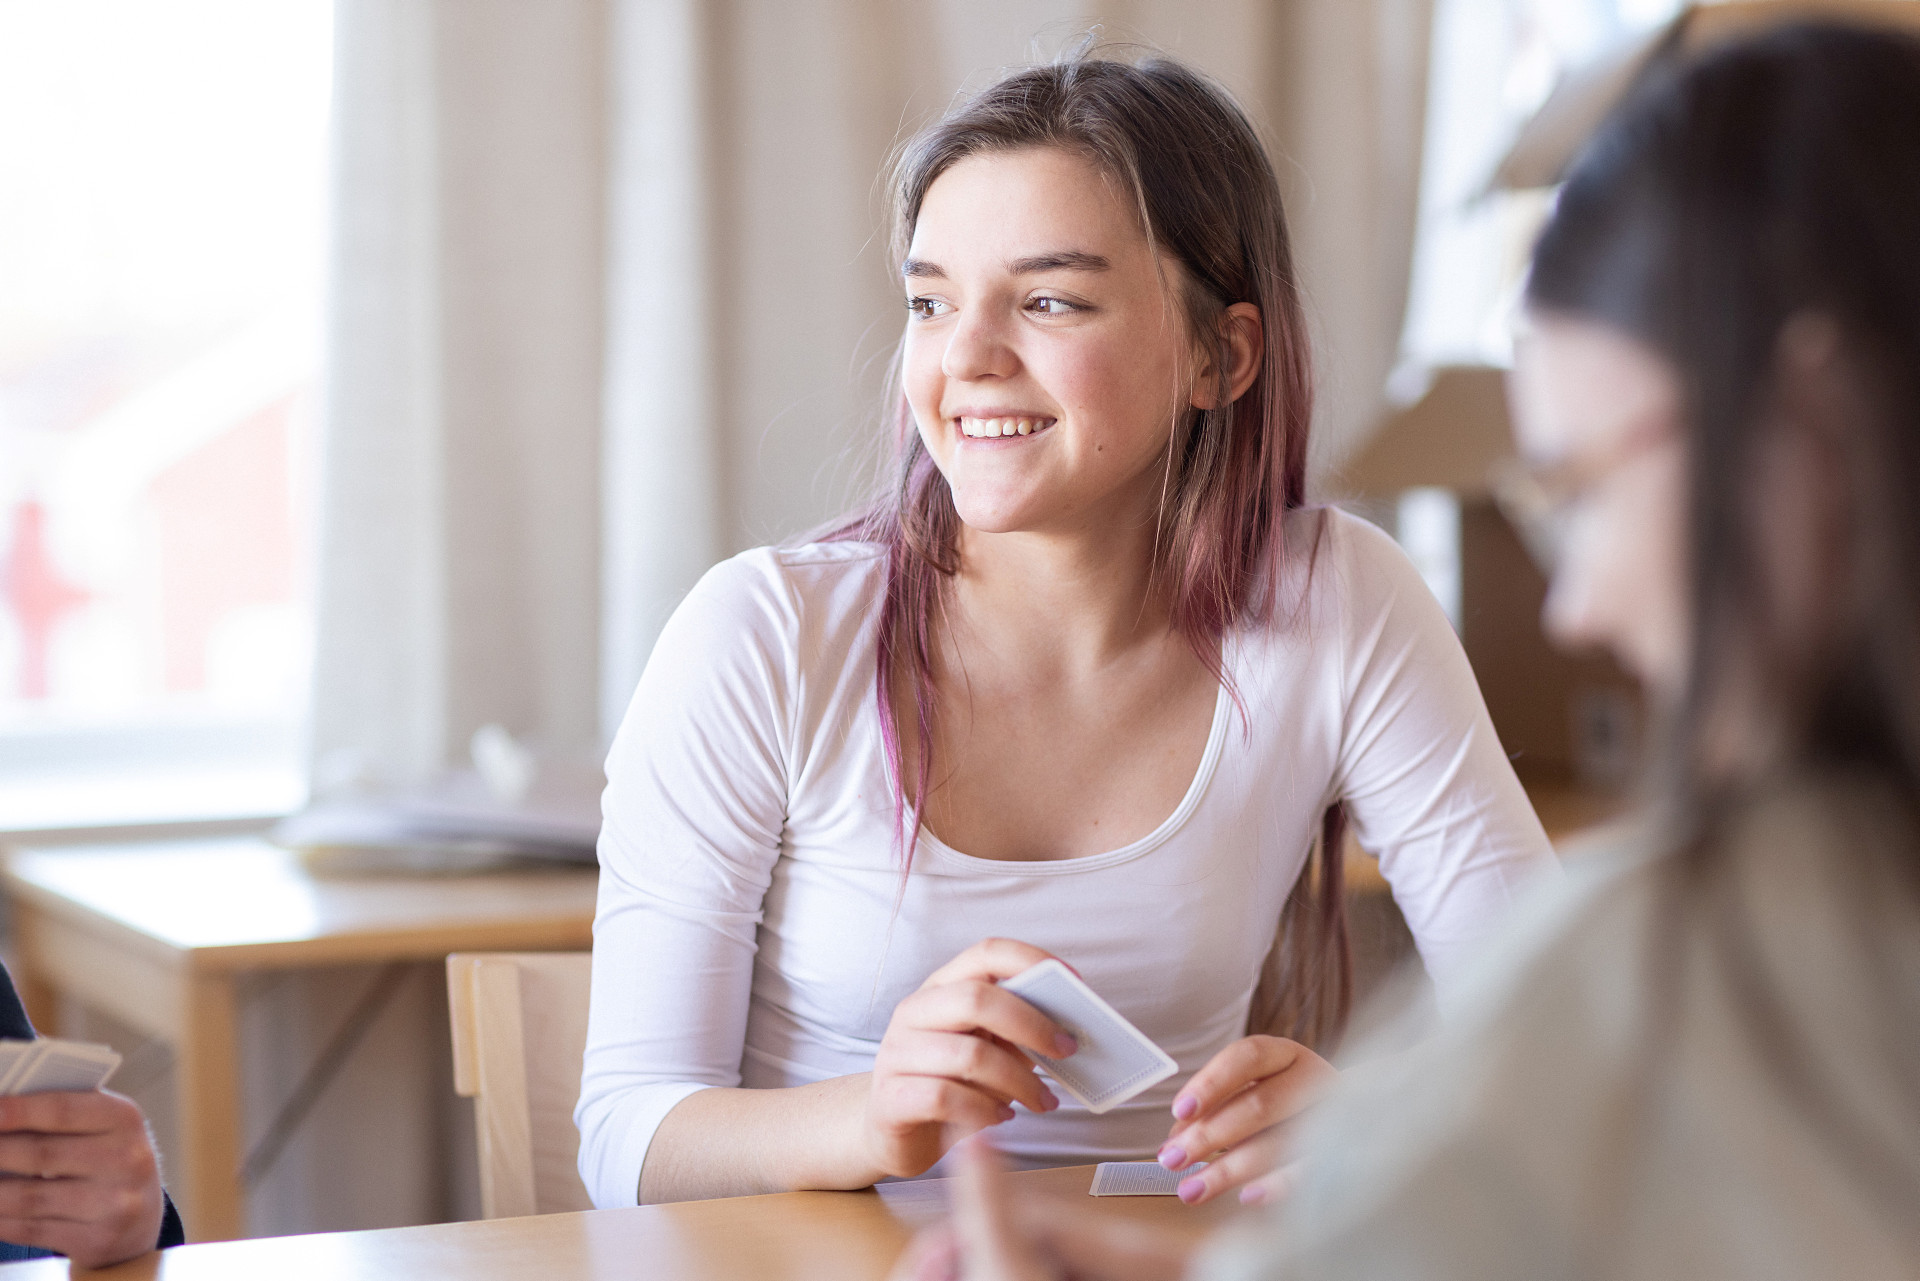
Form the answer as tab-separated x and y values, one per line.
1046	306
925	308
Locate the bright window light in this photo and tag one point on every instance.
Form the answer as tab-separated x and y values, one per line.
162	236
1493	63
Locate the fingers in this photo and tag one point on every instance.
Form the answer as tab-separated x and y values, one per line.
86	1245
34	1155
988	1067
932	1255
993	1243
69	1112
1242	1165
1276	1080
92	1221
973	1005
1247	1060
1254	1110
1101	1247
907	1102
989	959
1272	1187
70	1200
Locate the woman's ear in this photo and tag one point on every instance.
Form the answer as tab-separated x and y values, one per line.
1242	341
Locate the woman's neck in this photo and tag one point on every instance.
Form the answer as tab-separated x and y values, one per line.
1072	603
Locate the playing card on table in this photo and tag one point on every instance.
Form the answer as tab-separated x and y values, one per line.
1139	1178
1115	1060
48	1065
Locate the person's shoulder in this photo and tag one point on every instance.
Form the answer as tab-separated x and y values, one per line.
1346	558
778	584
1340	577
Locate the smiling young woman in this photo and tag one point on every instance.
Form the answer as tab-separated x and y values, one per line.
1086	683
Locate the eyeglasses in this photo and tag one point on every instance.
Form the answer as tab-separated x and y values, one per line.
1540	498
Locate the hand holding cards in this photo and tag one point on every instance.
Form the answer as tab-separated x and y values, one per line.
1115	1060
49	1065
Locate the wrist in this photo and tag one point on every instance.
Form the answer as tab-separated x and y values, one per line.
842	1156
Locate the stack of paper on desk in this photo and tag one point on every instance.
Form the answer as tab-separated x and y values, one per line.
507	809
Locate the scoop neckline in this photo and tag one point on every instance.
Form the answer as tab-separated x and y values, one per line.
1202	776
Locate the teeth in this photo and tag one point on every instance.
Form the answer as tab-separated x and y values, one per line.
984	427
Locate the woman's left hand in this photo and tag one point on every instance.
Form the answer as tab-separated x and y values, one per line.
1233	1115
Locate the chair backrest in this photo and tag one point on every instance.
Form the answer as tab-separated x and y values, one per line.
519	1033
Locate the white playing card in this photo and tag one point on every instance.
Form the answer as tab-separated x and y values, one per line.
1139	1178
11	1054
1115	1060
49	1065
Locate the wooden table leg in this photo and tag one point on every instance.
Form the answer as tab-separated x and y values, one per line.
213	1201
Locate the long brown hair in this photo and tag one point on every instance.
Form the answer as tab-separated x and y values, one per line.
1754	218
1207	198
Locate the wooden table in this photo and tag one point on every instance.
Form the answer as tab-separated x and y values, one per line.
158	935
828	1236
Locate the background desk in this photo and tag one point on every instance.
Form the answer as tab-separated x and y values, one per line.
821	1236
157	935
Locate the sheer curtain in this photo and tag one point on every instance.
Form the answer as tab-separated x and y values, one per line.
459	573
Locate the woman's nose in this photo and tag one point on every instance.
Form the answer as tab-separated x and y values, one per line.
977	347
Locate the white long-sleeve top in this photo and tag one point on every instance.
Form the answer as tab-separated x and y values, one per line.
753	929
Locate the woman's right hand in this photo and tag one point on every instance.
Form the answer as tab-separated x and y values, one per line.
949	1064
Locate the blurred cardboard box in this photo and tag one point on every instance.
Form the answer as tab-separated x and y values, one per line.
1425	476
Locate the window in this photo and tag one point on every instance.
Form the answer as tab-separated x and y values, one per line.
1493	63
162	216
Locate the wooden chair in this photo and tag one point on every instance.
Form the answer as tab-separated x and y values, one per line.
519	1032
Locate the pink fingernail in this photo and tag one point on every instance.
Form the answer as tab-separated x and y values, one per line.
1185	1106
1192	1190
1253	1194
1006	1112
1063	1045
1173	1157
1051	1099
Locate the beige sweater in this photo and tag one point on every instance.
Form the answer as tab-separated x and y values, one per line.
1649	1078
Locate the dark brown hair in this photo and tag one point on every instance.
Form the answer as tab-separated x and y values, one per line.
1754	218
1193	166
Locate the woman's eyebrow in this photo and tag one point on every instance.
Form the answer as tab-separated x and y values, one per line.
1059	260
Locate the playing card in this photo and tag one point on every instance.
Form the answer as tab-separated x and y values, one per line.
1115	1060
11	1055
1139	1178
48	1065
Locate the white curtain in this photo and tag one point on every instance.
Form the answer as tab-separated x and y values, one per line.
460	529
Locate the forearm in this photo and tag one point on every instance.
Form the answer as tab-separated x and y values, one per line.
740	1142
